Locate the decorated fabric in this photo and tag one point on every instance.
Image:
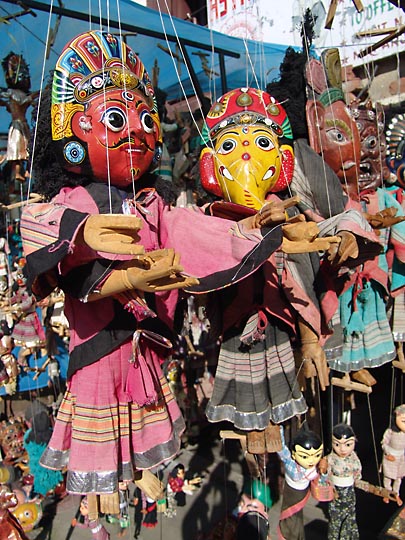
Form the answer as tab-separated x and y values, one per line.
100	342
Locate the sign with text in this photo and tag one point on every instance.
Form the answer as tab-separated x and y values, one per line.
280	22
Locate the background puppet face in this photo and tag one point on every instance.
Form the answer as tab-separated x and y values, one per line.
104	115
373	169
120	134
340	142
252	153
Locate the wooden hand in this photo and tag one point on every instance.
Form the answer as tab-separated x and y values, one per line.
113	233
385	218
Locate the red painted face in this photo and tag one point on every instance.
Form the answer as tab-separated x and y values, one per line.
120	134
341	146
373	169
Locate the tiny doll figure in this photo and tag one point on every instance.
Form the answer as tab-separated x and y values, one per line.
177	488
301	467
17	98
138	515
393	445
98	531
344	468
150	513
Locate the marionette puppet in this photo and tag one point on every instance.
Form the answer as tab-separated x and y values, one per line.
178	487
344	468
17	98
97	529
255	381
302	465
99	138
393	445
395	160
367	338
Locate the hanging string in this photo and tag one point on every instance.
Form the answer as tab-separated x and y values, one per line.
317	119
129	117
373	438
34	142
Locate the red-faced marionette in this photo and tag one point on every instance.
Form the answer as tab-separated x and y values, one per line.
332	130
370	122
118	137
252	154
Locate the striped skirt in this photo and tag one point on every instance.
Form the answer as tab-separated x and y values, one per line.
256	384
101	435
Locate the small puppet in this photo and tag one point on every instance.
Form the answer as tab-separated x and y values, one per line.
344	468
17	98
301	464
35	440
178	487
393	445
98	531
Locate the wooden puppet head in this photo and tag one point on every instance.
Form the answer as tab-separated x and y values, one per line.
105	122
252	152
332	130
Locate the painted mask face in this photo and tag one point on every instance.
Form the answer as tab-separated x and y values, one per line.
104	115
396	148
12	439
340	143
373	170
343	447
28	514
248	163
307	458
252	154
120	134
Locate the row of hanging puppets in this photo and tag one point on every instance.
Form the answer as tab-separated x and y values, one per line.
297	254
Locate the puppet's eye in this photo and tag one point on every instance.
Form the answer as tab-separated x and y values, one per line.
114	119
147	121
227	146
265	143
336	135
371	142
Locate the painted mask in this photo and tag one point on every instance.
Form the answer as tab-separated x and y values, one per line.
29	514
252	154
373	169
395	135
12	439
104	114
332	130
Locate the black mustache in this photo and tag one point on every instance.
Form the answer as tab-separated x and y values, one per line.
128	140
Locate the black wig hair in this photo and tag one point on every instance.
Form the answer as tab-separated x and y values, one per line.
307	439
343	431
175	471
290	88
